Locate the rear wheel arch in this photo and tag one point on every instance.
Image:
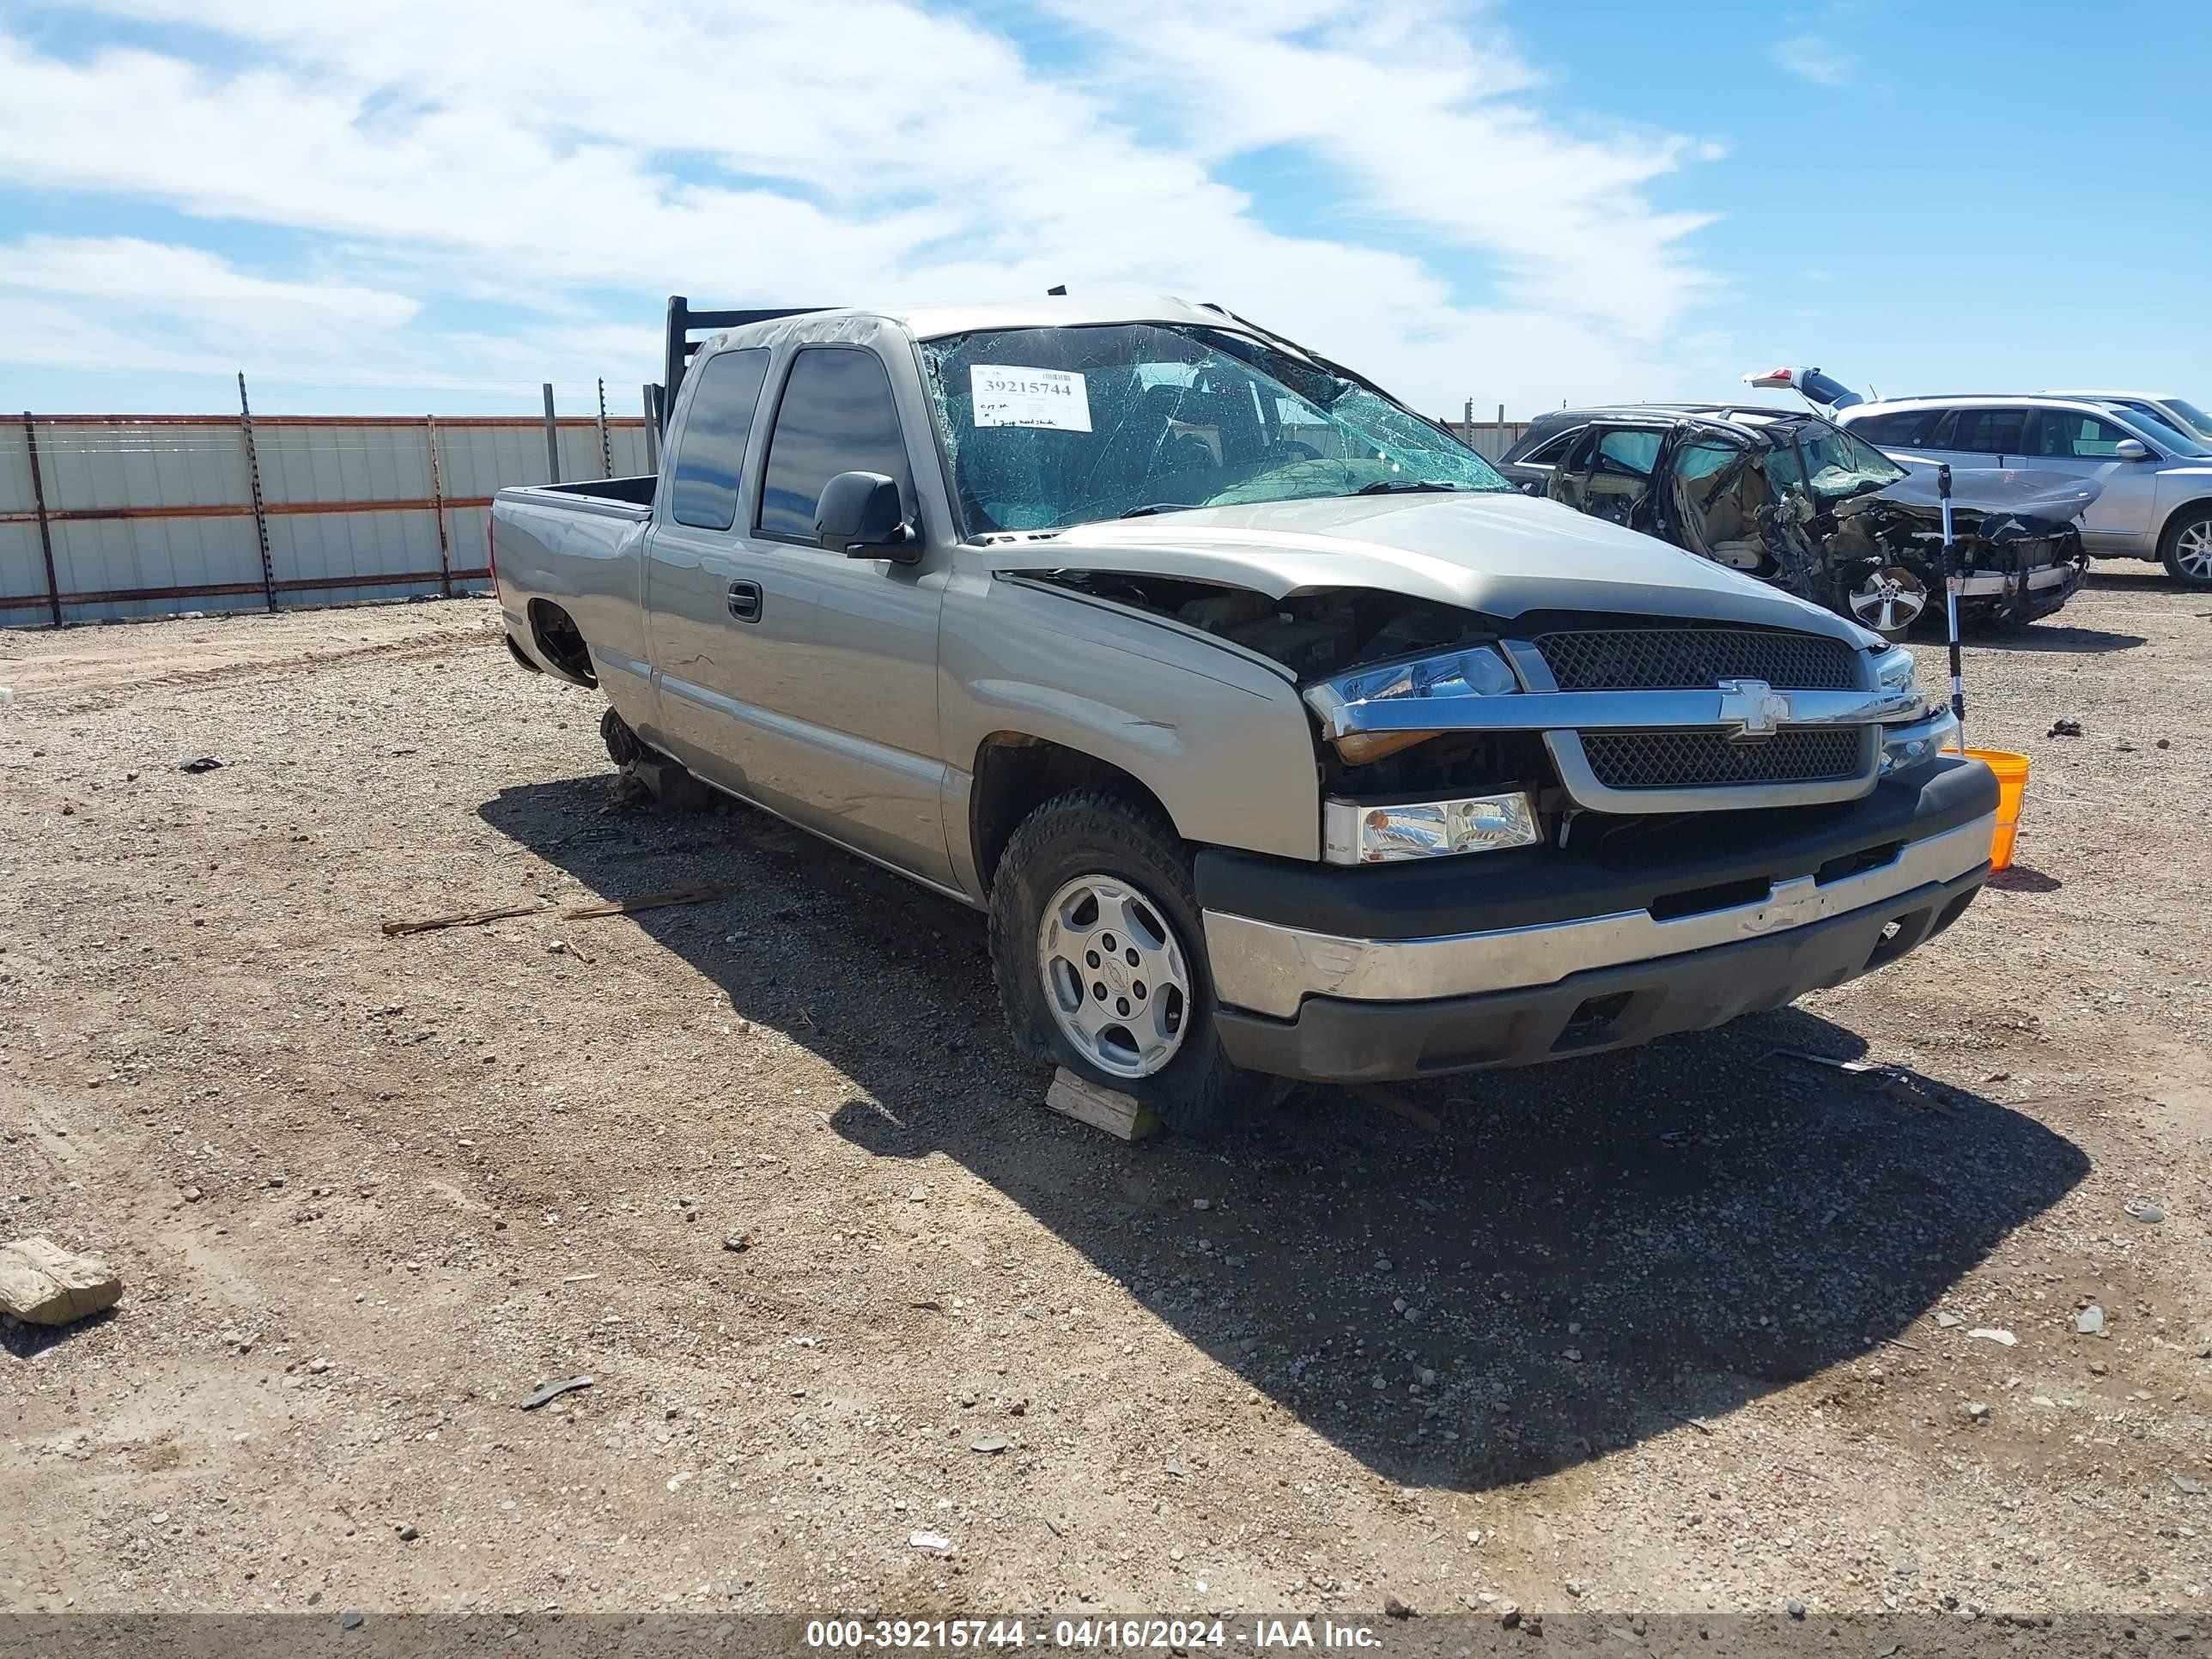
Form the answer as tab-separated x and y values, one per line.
560	642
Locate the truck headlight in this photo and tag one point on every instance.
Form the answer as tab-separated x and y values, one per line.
1894	670
1354	832
1373	712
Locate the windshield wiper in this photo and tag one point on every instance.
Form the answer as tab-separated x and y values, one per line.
1157	507
1399	486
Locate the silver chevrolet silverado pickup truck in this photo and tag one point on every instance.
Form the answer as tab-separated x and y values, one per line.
1274	731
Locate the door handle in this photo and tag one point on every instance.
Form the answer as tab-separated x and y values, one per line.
745	601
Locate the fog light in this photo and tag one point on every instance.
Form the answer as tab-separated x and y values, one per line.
1354	832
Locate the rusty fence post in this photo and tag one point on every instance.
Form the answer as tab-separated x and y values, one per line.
606	450
652	432
552	440
253	477
438	507
46	530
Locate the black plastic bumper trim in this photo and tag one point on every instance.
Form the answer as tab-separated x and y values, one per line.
1531	886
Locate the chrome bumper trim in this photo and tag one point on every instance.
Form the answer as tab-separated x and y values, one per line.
1983	583
1270	969
1604	711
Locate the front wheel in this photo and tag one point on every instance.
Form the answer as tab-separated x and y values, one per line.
2186	548
1099	953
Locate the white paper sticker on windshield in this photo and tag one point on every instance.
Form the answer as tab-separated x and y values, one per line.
1009	396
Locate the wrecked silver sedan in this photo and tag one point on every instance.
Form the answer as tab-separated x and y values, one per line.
1796	500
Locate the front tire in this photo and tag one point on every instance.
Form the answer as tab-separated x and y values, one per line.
1099	952
2186	547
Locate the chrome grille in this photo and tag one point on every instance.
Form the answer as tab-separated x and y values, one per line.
1698	760
1693	659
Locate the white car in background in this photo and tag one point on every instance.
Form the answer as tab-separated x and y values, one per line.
2178	413
2157	497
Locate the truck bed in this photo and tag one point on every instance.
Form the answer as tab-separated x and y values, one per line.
632	492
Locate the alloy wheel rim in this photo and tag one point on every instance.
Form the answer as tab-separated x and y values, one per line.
2192	550
1889	600
1116	976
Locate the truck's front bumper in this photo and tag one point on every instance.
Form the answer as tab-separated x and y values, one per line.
1509	958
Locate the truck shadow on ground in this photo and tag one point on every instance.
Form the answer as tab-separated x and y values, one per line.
1589	1253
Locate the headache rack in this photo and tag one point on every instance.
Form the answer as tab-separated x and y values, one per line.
682	323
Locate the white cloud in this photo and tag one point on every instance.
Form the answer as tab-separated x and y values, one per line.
1812	58
69	300
549	151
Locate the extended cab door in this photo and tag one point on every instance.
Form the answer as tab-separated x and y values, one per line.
696	578
833	672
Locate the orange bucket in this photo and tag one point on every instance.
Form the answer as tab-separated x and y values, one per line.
2012	788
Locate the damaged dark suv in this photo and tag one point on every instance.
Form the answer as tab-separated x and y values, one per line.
1796	500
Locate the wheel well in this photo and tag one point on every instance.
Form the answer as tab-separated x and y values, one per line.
1015	774
2177	516
560	641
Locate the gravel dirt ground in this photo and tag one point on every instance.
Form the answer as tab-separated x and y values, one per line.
1696	1327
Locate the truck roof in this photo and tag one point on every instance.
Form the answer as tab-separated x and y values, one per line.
1045	311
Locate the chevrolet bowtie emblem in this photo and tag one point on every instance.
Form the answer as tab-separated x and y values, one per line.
1752	710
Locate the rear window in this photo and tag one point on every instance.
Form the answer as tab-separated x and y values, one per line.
836	415
710	455
1906	427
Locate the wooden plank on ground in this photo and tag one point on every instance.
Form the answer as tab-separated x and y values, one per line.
650	901
459	919
1110	1109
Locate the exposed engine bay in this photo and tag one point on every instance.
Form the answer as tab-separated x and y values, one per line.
1316	636
1842	553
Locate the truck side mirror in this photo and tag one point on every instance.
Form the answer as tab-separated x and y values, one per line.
859	515
2131	449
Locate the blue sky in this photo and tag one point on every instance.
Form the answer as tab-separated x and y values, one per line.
402	205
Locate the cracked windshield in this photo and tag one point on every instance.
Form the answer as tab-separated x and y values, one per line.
1833	464
1052	426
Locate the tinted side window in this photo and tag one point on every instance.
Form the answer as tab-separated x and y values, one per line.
703	488
1905	426
836	415
2084	437
1990	432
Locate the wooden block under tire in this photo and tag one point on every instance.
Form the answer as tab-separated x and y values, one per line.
674	787
1117	1114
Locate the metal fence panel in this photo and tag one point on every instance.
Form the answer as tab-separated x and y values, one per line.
477	459
22	576
151	567
109	464
380	462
